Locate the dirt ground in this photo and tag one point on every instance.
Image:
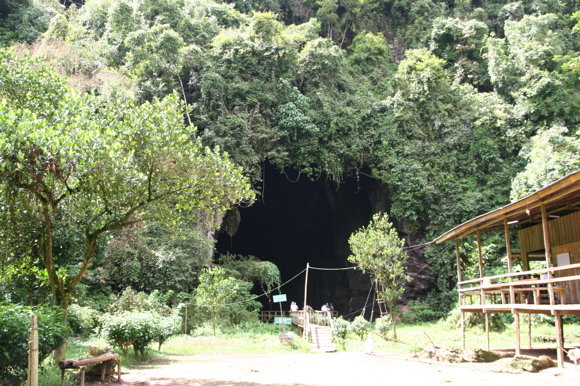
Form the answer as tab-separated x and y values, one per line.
331	369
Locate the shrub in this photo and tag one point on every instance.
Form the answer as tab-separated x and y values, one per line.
138	329
422	312
14	335
131	300
83	321
360	327
497	322
167	327
341	327
383	325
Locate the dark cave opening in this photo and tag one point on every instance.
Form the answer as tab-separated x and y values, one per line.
295	223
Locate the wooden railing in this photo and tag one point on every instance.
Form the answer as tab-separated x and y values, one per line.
509	289
314	317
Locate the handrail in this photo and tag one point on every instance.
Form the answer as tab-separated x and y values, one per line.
520	283
515	274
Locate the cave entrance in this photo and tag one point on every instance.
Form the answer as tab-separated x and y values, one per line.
301	221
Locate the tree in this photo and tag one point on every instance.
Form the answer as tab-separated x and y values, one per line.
72	161
251	269
222	298
551	155
378	250
150	256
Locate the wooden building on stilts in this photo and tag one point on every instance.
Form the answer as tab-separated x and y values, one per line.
544	229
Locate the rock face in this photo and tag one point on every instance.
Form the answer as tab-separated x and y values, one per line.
455	355
531	364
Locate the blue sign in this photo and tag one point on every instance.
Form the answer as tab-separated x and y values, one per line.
279	298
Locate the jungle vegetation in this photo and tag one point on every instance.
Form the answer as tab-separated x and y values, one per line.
456	107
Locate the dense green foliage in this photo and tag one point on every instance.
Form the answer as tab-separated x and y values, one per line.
443	103
224	299
378	251
83	320
138	329
150	257
249	268
15	323
75	165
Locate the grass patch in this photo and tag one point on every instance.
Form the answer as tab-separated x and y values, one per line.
259	338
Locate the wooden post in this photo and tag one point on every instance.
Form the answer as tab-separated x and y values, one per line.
517	331
508	245
304	308
487	330
560	340
480	260
462	330
530	331
185	320
458	260
119	370
479	253
548	248
459	278
33	353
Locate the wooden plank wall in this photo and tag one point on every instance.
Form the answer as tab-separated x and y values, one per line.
563	230
572	287
564	237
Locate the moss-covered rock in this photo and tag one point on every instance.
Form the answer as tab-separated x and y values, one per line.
531	364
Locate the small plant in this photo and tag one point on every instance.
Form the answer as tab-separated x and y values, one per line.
341	327
360	327
83	321
383	325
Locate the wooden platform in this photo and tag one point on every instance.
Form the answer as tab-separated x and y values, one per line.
558	309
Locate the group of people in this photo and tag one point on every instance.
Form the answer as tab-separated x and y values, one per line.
325	307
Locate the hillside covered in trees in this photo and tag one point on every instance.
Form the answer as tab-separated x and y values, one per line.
433	111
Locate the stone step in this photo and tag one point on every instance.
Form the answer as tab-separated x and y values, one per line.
321	339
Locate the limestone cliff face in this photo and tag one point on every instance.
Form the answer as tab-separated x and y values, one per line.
295	223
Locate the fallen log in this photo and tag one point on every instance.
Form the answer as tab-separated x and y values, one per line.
76	363
108	360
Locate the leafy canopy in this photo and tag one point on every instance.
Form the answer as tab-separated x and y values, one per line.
76	160
378	250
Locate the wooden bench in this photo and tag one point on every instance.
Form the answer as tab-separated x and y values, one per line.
106	360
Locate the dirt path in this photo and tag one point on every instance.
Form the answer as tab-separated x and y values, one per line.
333	369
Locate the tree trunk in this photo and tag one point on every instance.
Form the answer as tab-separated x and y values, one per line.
59	355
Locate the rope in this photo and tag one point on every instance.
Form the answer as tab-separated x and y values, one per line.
367	301
332	269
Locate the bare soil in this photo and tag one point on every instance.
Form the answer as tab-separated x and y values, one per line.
331	369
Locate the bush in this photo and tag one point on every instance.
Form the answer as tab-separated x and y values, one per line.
497	322
138	329
83	321
383	325
341	327
422	312
14	335
360	327
131	300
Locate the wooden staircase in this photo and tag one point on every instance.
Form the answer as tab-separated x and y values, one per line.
321	338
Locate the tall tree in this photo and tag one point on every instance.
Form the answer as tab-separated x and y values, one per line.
72	161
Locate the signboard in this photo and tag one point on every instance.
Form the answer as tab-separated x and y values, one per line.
279	298
279	320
